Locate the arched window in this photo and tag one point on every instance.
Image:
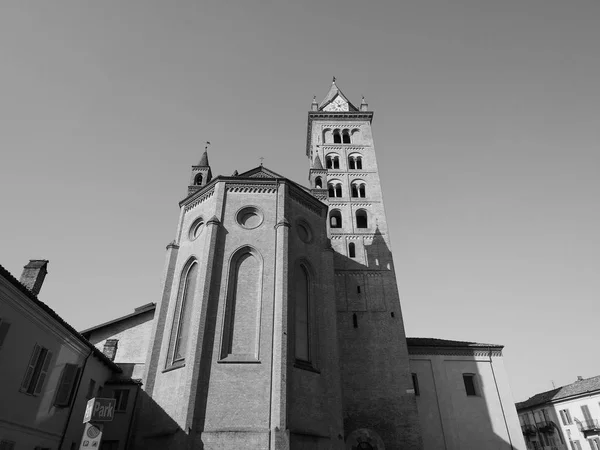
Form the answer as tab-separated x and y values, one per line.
351	250
337	139
361	219
318	183
358	189
183	309
327	136
334	188
346	137
240	331
355	162
335	219
198	180
333	161
355	136
302	314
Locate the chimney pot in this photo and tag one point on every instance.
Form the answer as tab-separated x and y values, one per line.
34	274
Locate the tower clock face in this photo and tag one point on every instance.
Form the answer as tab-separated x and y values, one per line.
339	104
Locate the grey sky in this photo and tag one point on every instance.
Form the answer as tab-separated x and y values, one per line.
486	129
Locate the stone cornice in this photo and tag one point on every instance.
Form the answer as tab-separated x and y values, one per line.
455	351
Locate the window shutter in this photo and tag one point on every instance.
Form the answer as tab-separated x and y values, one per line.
562	416
4	326
40	381
66	384
31	367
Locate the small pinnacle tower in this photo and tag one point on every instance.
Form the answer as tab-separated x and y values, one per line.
201	173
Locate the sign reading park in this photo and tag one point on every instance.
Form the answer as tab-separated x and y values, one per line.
99	410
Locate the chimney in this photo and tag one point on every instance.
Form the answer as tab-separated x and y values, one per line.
110	348
579	378
34	274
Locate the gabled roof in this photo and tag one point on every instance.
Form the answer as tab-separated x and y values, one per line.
97	353
570	390
136	312
260	172
434	342
334	92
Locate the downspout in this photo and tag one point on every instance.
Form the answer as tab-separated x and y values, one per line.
274	301
500	399
64	433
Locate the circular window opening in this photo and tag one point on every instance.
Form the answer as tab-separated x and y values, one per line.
304	232
249	217
196	229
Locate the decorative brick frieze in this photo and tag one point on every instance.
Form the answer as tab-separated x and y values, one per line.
196	201
457	351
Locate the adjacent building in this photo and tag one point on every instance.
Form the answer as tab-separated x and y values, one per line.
49	372
563	418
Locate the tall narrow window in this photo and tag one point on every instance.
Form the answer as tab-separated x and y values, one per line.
318	183
415	381
469	381
66	385
242	313
198	180
361	219
337	139
183	309
332	161
359	162
351	250
335	219
346	137
36	372
351	163
302	325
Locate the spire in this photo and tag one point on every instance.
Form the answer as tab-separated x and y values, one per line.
317	164
314	106
204	159
336	95
363	104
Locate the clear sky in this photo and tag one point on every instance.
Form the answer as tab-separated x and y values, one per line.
486	127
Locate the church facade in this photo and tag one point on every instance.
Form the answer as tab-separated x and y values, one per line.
279	325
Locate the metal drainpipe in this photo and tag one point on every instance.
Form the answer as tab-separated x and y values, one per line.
500	399
64	433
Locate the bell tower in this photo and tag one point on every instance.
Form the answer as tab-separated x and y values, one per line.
378	397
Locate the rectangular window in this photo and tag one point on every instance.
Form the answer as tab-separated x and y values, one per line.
565	415
469	380
575	445
66	385
91	389
415	381
121	396
37	370
4	326
7	445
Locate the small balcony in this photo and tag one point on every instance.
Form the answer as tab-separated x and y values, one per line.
529	430
588	425
546	427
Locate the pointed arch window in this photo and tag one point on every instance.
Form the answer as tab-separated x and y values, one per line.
361	219
183	309
358	189
346	136
335	219
351	250
334	188
198	180
332	161
302	315
318	183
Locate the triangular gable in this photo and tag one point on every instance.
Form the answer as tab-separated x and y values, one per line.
335	100
260	172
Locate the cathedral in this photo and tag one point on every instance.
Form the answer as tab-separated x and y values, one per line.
279	324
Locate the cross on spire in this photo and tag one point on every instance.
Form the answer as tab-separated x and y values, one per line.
206	146
261	160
